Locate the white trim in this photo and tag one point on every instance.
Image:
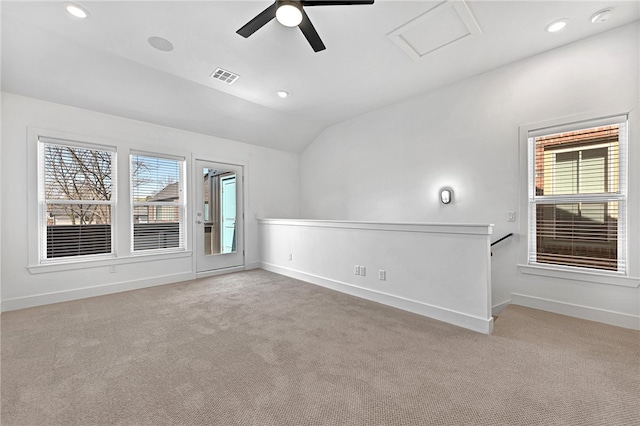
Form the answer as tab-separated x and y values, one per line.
459	319
34	167
583	274
153	154
432	228
83	293
181	204
242	205
575	123
193	197
578	198
223	271
79	201
153	203
252	265
43	201
111	261
498	308
578	311
528	199
72	142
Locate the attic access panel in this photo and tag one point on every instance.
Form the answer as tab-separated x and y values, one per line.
440	26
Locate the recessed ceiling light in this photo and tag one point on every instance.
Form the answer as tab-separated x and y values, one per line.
160	44
556	26
601	16
282	93
77	11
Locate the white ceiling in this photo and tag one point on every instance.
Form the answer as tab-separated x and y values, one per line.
104	63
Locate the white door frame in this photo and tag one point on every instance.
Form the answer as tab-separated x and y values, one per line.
241	217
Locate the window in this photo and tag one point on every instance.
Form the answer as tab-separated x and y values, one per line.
77	197
578	196
157	191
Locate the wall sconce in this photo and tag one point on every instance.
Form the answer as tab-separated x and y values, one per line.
446	195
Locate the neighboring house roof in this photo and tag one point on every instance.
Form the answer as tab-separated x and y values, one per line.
168	193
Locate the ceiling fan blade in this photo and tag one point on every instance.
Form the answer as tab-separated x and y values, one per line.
335	2
310	33
259	21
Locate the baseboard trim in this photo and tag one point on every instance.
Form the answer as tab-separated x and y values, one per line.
578	311
497	309
222	271
459	319
86	292
252	265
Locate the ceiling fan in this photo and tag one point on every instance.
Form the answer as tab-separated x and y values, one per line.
290	13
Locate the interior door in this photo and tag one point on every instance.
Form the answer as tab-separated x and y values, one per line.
218	216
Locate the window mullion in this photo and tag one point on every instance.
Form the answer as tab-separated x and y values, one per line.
577	198
97	202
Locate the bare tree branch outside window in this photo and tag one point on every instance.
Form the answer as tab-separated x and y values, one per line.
81	174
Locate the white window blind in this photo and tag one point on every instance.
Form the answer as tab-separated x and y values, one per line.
157	191
77	196
578	196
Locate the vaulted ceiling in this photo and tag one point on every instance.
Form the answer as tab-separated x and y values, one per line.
376	55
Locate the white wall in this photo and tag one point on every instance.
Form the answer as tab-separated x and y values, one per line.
437	270
1	191
271	185
388	165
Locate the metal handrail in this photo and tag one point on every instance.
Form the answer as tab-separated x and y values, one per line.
501	239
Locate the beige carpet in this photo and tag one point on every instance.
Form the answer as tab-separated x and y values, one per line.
256	348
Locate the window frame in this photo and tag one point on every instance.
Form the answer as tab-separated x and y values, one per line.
182	205
42	201
121	238
619	197
527	182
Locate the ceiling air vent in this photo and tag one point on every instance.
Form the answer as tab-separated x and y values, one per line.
224	75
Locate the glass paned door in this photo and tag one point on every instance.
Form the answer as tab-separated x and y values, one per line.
218	216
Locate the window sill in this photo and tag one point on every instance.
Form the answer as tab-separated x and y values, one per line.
592	277
83	264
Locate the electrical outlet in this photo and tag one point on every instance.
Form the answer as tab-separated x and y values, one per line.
511	216
112	269
356	270
363	271
382	275
290	256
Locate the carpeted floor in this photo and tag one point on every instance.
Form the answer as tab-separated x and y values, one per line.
256	348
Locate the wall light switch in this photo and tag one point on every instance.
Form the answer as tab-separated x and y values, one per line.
363	271
382	275
511	216
356	270
290	256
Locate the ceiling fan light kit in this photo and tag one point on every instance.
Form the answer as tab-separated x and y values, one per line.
290	13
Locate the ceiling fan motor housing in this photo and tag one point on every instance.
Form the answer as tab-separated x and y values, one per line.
291	13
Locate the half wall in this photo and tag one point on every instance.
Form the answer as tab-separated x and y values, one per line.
442	271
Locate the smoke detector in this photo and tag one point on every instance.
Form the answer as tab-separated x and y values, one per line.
601	16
